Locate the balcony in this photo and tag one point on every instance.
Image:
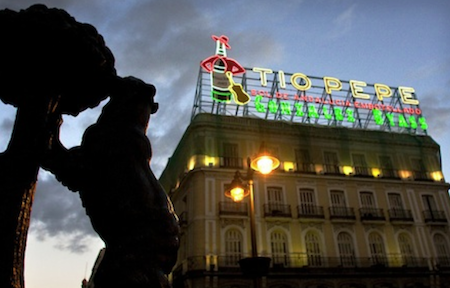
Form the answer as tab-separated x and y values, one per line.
362	171
301	262
400	215
372	214
277	210
231	162
443	261
306	168
421	176
310	211
233	208
434	216
343	213
332	169
389	173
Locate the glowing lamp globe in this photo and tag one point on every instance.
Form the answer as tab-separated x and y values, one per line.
237	191
265	164
237	194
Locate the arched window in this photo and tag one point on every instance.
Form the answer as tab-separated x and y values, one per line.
233	247
279	245
346	249
313	251
442	251
377	251
406	249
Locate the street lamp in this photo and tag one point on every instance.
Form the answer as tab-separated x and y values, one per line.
264	163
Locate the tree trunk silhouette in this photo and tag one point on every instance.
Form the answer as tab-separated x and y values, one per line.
19	166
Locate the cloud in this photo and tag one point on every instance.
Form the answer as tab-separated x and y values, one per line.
58	212
429	70
342	24
437	115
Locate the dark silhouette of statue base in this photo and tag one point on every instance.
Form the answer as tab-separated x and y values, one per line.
53	65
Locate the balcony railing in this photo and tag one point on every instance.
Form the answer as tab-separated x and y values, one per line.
420	175
346	213
443	261
389	173
396	214
306	168
233	208
277	210
310	211
369	214
231	162
362	171
331	169
302	261
434	216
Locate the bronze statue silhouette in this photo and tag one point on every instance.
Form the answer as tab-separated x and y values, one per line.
51	65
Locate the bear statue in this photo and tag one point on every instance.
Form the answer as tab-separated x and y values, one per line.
126	204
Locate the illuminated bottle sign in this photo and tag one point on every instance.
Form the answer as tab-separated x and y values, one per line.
222	69
296	97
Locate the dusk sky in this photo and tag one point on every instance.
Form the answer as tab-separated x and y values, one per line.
397	43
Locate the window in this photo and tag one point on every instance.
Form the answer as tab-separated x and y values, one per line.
331	163
442	250
280	254
429	203
275	197
346	250
369	210
275	206
313	250
386	167
233	247
377	252
307	202
339	207
337	198
418	167
431	212
303	160
359	161
230	156
396	205
406	249
395	201
367	200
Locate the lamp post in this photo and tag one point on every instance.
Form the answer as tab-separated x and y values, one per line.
253	266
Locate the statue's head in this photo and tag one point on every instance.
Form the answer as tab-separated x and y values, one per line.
131	103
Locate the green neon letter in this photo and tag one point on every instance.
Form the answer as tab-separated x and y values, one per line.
377	117
402	121
273	107
312	112
412	122
390	116
326	114
338	114
285	108
423	123
259	107
298	109
350	117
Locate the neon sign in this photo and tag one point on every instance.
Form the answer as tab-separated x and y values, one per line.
222	69
297	97
333	84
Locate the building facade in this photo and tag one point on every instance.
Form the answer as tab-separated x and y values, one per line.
346	208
